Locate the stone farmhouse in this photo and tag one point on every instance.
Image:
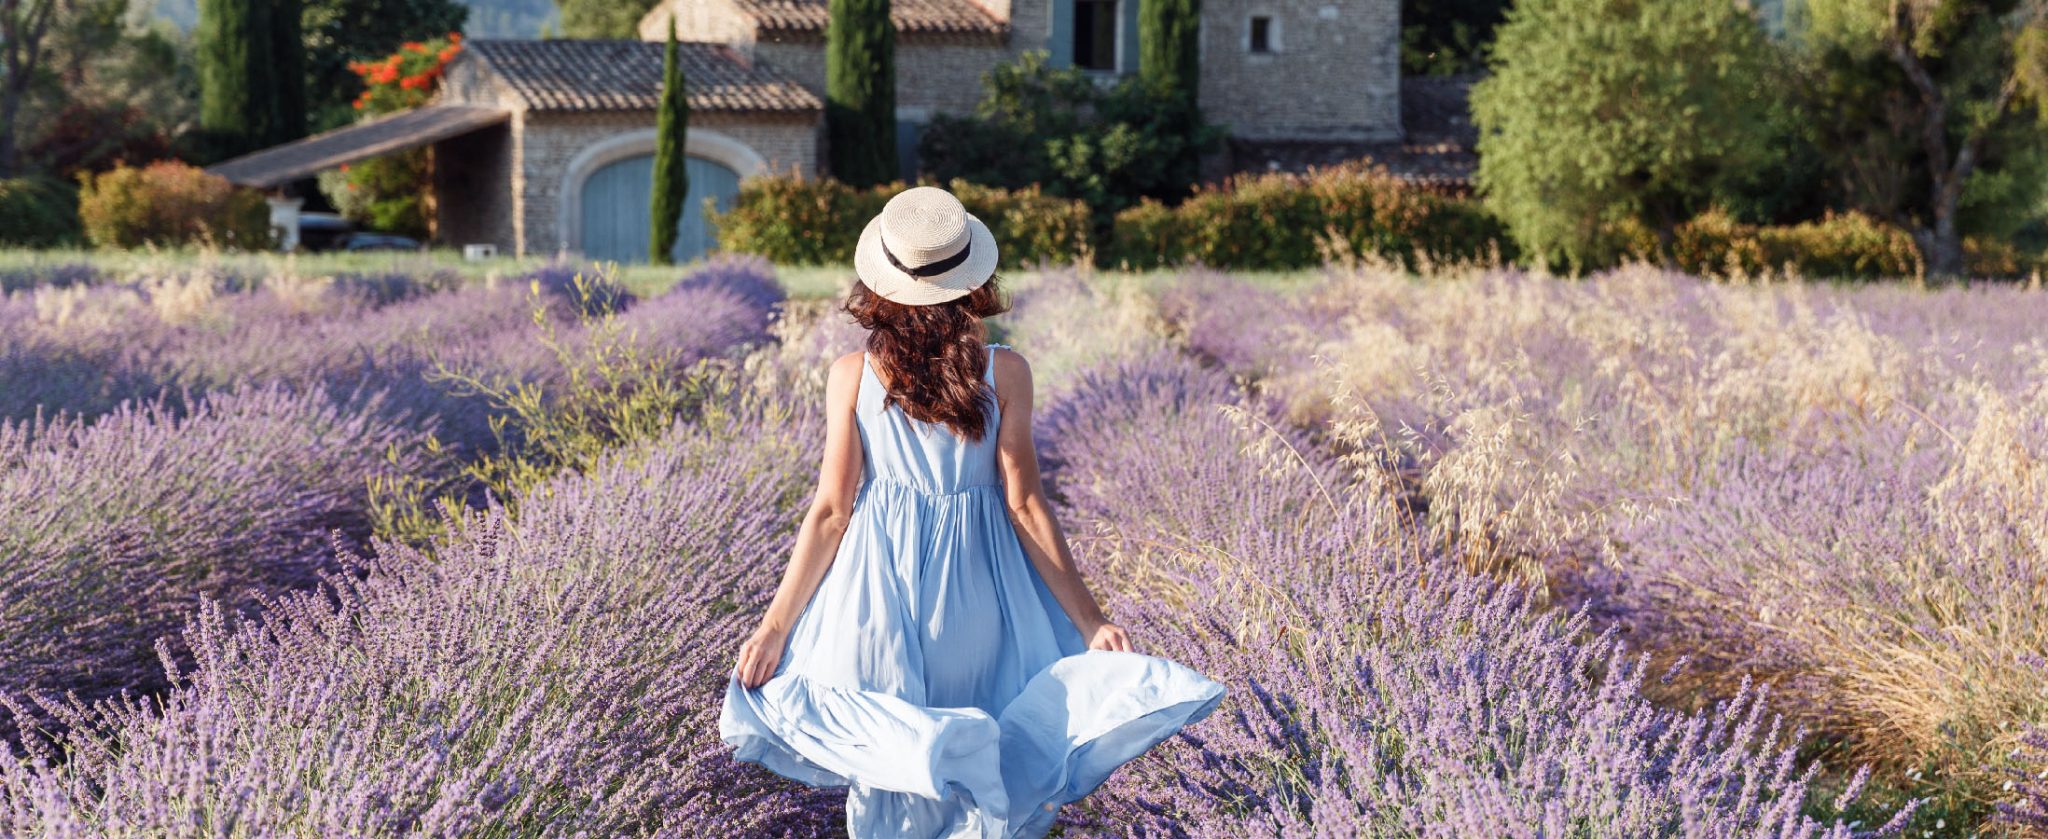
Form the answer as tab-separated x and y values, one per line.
546	146
1272	70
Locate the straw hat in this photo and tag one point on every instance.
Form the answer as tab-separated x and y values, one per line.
924	248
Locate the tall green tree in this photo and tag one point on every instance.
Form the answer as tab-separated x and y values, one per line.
238	107
1957	87
288	70
860	91
24	24
1600	113
1168	44
603	18
671	176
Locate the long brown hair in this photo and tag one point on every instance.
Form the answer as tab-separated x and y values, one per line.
931	356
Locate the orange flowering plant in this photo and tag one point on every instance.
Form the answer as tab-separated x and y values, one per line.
393	193
406	78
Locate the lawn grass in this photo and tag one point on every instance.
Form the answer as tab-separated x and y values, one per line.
803	282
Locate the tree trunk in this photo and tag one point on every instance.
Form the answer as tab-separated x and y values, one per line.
10	106
1941	244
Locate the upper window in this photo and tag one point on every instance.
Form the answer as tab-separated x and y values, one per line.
1261	34
1095	26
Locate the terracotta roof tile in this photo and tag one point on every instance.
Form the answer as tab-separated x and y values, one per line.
582	75
912	17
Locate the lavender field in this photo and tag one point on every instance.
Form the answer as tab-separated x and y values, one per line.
1481	555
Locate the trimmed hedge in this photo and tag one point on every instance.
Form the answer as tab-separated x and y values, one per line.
1846	246
1292	221
797	221
38	213
1287	221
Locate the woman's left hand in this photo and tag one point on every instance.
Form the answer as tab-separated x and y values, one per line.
1109	636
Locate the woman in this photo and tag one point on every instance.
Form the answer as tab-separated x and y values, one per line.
932	645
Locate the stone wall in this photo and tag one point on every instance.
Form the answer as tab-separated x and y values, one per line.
1334	73
931	76
550	142
718	21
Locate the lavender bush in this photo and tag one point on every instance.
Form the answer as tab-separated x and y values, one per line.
1379	690
112	532
557	675
1835	487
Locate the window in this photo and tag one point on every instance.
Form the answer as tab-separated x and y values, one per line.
1095	25
1262	34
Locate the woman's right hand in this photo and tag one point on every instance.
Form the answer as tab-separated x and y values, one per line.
759	656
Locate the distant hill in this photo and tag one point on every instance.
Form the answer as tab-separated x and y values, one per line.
487	18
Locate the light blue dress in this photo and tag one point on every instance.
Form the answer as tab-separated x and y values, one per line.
934	673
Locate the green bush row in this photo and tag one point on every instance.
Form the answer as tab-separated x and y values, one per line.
1266	222
799	221
1285	221
1290	221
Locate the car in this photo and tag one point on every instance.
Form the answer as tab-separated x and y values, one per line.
365	241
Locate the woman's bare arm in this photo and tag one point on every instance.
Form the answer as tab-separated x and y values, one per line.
824	524
1037	528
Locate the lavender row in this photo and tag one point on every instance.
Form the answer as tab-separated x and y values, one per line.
113	532
1839	489
1377	689
557	675
84	350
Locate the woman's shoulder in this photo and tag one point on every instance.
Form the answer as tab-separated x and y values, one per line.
843	379
1010	367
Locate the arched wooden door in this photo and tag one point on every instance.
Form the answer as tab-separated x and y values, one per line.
616	217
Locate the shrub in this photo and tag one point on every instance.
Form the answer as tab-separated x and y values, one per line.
1846	246
1104	145
170	203
614	379
38	212
793	220
1843	246
1291	221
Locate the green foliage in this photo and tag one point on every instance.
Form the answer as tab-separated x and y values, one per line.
38	213
339	33
1835	247
251	81
1601	112
1447	37
860	92
1288	222
386	193
1105	146
237	102
796	221
611	390
1169	43
168	203
394	192
1929	111
603	18
671	177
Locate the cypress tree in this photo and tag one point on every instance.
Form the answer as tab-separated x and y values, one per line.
671	176
288	70
1168	37
860	91
237	91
